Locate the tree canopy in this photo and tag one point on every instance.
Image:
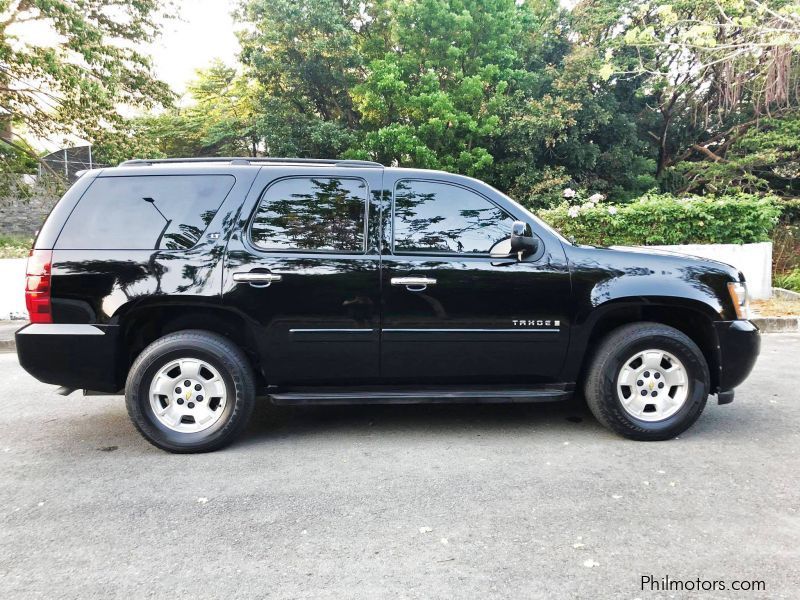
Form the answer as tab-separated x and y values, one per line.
616	97
66	66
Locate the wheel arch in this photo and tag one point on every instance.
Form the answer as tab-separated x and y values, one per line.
142	326
691	317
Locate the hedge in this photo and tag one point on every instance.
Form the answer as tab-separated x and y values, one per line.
663	219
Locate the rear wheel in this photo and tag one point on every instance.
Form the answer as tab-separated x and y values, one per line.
190	391
647	381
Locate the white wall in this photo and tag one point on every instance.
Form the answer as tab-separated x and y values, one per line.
12	288
754	260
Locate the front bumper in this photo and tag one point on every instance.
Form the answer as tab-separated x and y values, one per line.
74	356
738	343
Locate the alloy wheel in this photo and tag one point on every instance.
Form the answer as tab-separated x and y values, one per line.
652	385
188	395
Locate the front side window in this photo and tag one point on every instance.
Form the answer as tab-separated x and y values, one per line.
322	214
168	212
440	218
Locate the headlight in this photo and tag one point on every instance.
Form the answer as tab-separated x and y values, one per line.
741	302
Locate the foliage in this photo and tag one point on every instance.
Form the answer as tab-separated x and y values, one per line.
615	97
746	47
17	158
788	281
222	121
493	89
761	156
790	208
15	161
663	219
14	246
711	71
67	65
225	112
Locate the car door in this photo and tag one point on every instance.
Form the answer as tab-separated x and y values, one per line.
302	267
452	313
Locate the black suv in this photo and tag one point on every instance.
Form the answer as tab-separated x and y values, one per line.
198	285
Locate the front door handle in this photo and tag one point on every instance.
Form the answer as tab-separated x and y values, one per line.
257	278
414	284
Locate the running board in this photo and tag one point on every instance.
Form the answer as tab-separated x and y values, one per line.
419	396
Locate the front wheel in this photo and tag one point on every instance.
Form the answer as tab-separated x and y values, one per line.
190	391
647	381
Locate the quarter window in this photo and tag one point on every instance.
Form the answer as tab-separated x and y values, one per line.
437	217
169	212
324	214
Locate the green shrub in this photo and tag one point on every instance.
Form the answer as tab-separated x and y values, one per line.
788	281
663	219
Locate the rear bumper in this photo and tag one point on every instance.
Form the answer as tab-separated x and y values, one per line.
75	356
739	344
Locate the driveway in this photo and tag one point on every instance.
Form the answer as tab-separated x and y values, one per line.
402	501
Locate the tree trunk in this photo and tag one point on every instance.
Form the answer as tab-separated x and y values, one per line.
6	130
663	153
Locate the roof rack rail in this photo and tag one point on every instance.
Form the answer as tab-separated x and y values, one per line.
236	160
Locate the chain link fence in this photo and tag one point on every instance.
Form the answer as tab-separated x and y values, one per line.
67	163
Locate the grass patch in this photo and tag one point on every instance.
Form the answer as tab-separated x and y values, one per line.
14	246
788	281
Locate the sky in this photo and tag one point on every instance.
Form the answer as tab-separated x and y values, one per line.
203	32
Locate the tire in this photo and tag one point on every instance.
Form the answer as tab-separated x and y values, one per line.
647	408
216	367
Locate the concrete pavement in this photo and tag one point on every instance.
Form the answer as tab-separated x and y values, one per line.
400	502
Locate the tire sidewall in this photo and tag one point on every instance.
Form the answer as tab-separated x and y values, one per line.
150	362
697	375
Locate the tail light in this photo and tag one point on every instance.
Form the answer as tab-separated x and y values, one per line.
37	286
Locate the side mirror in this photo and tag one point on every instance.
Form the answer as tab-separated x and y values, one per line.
523	242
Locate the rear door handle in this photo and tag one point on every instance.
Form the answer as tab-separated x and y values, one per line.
414	284
257	278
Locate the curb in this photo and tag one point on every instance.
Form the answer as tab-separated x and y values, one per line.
777	324
7	329
785	294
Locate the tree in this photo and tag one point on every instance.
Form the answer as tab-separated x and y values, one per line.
432	95
712	69
615	96
760	159
496	89
306	57
74	81
746	46
225	112
566	124
221	120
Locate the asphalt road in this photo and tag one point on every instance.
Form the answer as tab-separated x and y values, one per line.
401	502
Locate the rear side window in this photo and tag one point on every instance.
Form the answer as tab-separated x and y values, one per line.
169	212
323	214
